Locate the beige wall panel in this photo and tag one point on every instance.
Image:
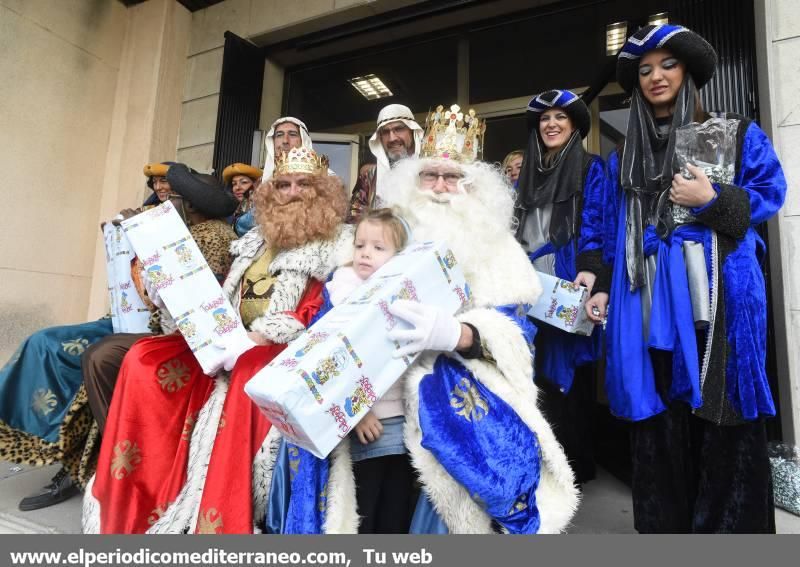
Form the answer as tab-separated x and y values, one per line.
787	145
54	131
787	19
790	393
790	237
30	301
146	115
170	80
203	74
339	4
268	15
210	24
198	157
198	122
785	67
92	25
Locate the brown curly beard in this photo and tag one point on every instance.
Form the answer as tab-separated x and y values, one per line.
315	214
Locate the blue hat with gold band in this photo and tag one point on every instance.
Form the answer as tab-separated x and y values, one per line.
571	103
694	51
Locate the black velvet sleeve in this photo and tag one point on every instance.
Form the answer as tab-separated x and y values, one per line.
729	213
592	261
589	261
476	350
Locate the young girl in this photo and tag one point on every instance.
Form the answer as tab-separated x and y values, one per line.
382	470
383	473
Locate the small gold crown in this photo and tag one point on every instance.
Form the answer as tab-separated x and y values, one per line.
301	160
450	134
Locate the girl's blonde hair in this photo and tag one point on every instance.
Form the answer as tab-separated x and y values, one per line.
390	221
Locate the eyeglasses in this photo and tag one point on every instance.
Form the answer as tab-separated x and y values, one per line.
431	177
397	130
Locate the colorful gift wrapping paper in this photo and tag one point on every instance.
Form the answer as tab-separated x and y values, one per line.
326	380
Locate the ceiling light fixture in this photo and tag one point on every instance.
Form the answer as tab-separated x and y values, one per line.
657	19
370	87
616	34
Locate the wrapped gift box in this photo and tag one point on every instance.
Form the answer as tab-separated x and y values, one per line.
129	314
326	380
176	268
562	305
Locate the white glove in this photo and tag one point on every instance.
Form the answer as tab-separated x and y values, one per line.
152	292
433	329
234	347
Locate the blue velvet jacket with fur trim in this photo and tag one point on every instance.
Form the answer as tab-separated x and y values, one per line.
726	381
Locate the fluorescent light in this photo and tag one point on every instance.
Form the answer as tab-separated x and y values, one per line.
370	87
616	34
657	19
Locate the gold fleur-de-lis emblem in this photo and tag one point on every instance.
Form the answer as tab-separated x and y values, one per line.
75	347
43	401
519	505
294	462
323	498
209	522
126	458
173	375
188	426
156	514
466	398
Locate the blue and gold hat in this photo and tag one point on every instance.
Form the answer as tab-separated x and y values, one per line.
571	103
694	51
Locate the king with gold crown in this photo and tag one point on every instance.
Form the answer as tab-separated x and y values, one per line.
275	282
485	457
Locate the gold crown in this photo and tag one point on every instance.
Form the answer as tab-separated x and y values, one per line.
450	134
301	160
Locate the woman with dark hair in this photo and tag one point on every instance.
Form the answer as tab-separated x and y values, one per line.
242	180
687	324
559	208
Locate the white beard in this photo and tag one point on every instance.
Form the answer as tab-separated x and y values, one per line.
456	219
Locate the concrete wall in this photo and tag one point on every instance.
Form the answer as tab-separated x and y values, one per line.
778	34
146	116
59	64
84	101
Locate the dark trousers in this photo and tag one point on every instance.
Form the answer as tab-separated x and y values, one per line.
100	364
692	476
572	418
386	494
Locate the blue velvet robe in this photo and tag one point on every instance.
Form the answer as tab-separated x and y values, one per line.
559	353
630	382
39	383
474	434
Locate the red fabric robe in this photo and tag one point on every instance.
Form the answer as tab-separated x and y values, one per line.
143	460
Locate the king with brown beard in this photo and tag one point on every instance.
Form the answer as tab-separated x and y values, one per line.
183	452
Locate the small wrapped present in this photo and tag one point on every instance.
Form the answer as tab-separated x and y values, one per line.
562	305
129	314
326	380
175	266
